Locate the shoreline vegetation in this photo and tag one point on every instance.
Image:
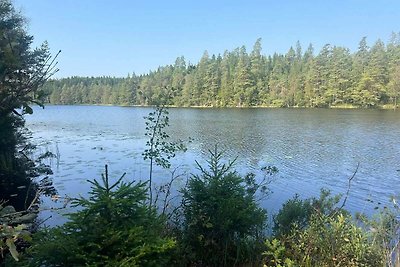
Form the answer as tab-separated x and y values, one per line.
379	107
334	77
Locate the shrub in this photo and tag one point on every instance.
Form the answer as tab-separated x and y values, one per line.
223	224
384	227
275	254
113	227
333	241
313	232
298	212
294	212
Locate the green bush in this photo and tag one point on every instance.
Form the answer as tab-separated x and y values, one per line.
384	227
333	241
223	225
298	212
314	232
113	227
275	255
295	211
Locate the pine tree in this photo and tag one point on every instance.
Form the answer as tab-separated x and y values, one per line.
340	77
225	93
243	82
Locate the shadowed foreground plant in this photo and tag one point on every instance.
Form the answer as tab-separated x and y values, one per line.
23	70
113	227
223	225
9	233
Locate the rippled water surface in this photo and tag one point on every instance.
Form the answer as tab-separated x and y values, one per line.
312	148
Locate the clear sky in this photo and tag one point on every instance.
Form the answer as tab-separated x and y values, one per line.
117	37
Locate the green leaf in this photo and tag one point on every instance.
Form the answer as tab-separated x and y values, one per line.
13	250
208	225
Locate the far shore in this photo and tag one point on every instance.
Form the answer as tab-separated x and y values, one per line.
383	107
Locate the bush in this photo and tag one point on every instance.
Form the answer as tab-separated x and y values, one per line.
385	231
223	224
294	212
298	212
333	241
113	227
275	254
313	232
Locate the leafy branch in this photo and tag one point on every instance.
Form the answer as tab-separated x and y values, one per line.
159	149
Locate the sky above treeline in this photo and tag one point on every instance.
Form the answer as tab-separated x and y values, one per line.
117	37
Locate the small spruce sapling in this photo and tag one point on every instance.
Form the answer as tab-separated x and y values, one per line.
223	223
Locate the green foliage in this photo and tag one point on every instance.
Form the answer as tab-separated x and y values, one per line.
332	77
297	212
275	254
22	71
11	232
394	85
223	224
314	232
384	228
332	241
113	227
159	148
8	236
22	174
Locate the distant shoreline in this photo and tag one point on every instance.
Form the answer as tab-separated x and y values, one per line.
381	107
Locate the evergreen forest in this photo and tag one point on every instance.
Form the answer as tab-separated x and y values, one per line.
333	77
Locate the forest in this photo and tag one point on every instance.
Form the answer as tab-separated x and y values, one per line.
334	77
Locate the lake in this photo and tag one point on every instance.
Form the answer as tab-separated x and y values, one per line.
312	148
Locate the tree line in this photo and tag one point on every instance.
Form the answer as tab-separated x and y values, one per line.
369	77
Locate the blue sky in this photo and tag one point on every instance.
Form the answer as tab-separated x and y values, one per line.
117	37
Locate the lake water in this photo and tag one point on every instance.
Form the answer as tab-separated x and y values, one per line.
312	148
